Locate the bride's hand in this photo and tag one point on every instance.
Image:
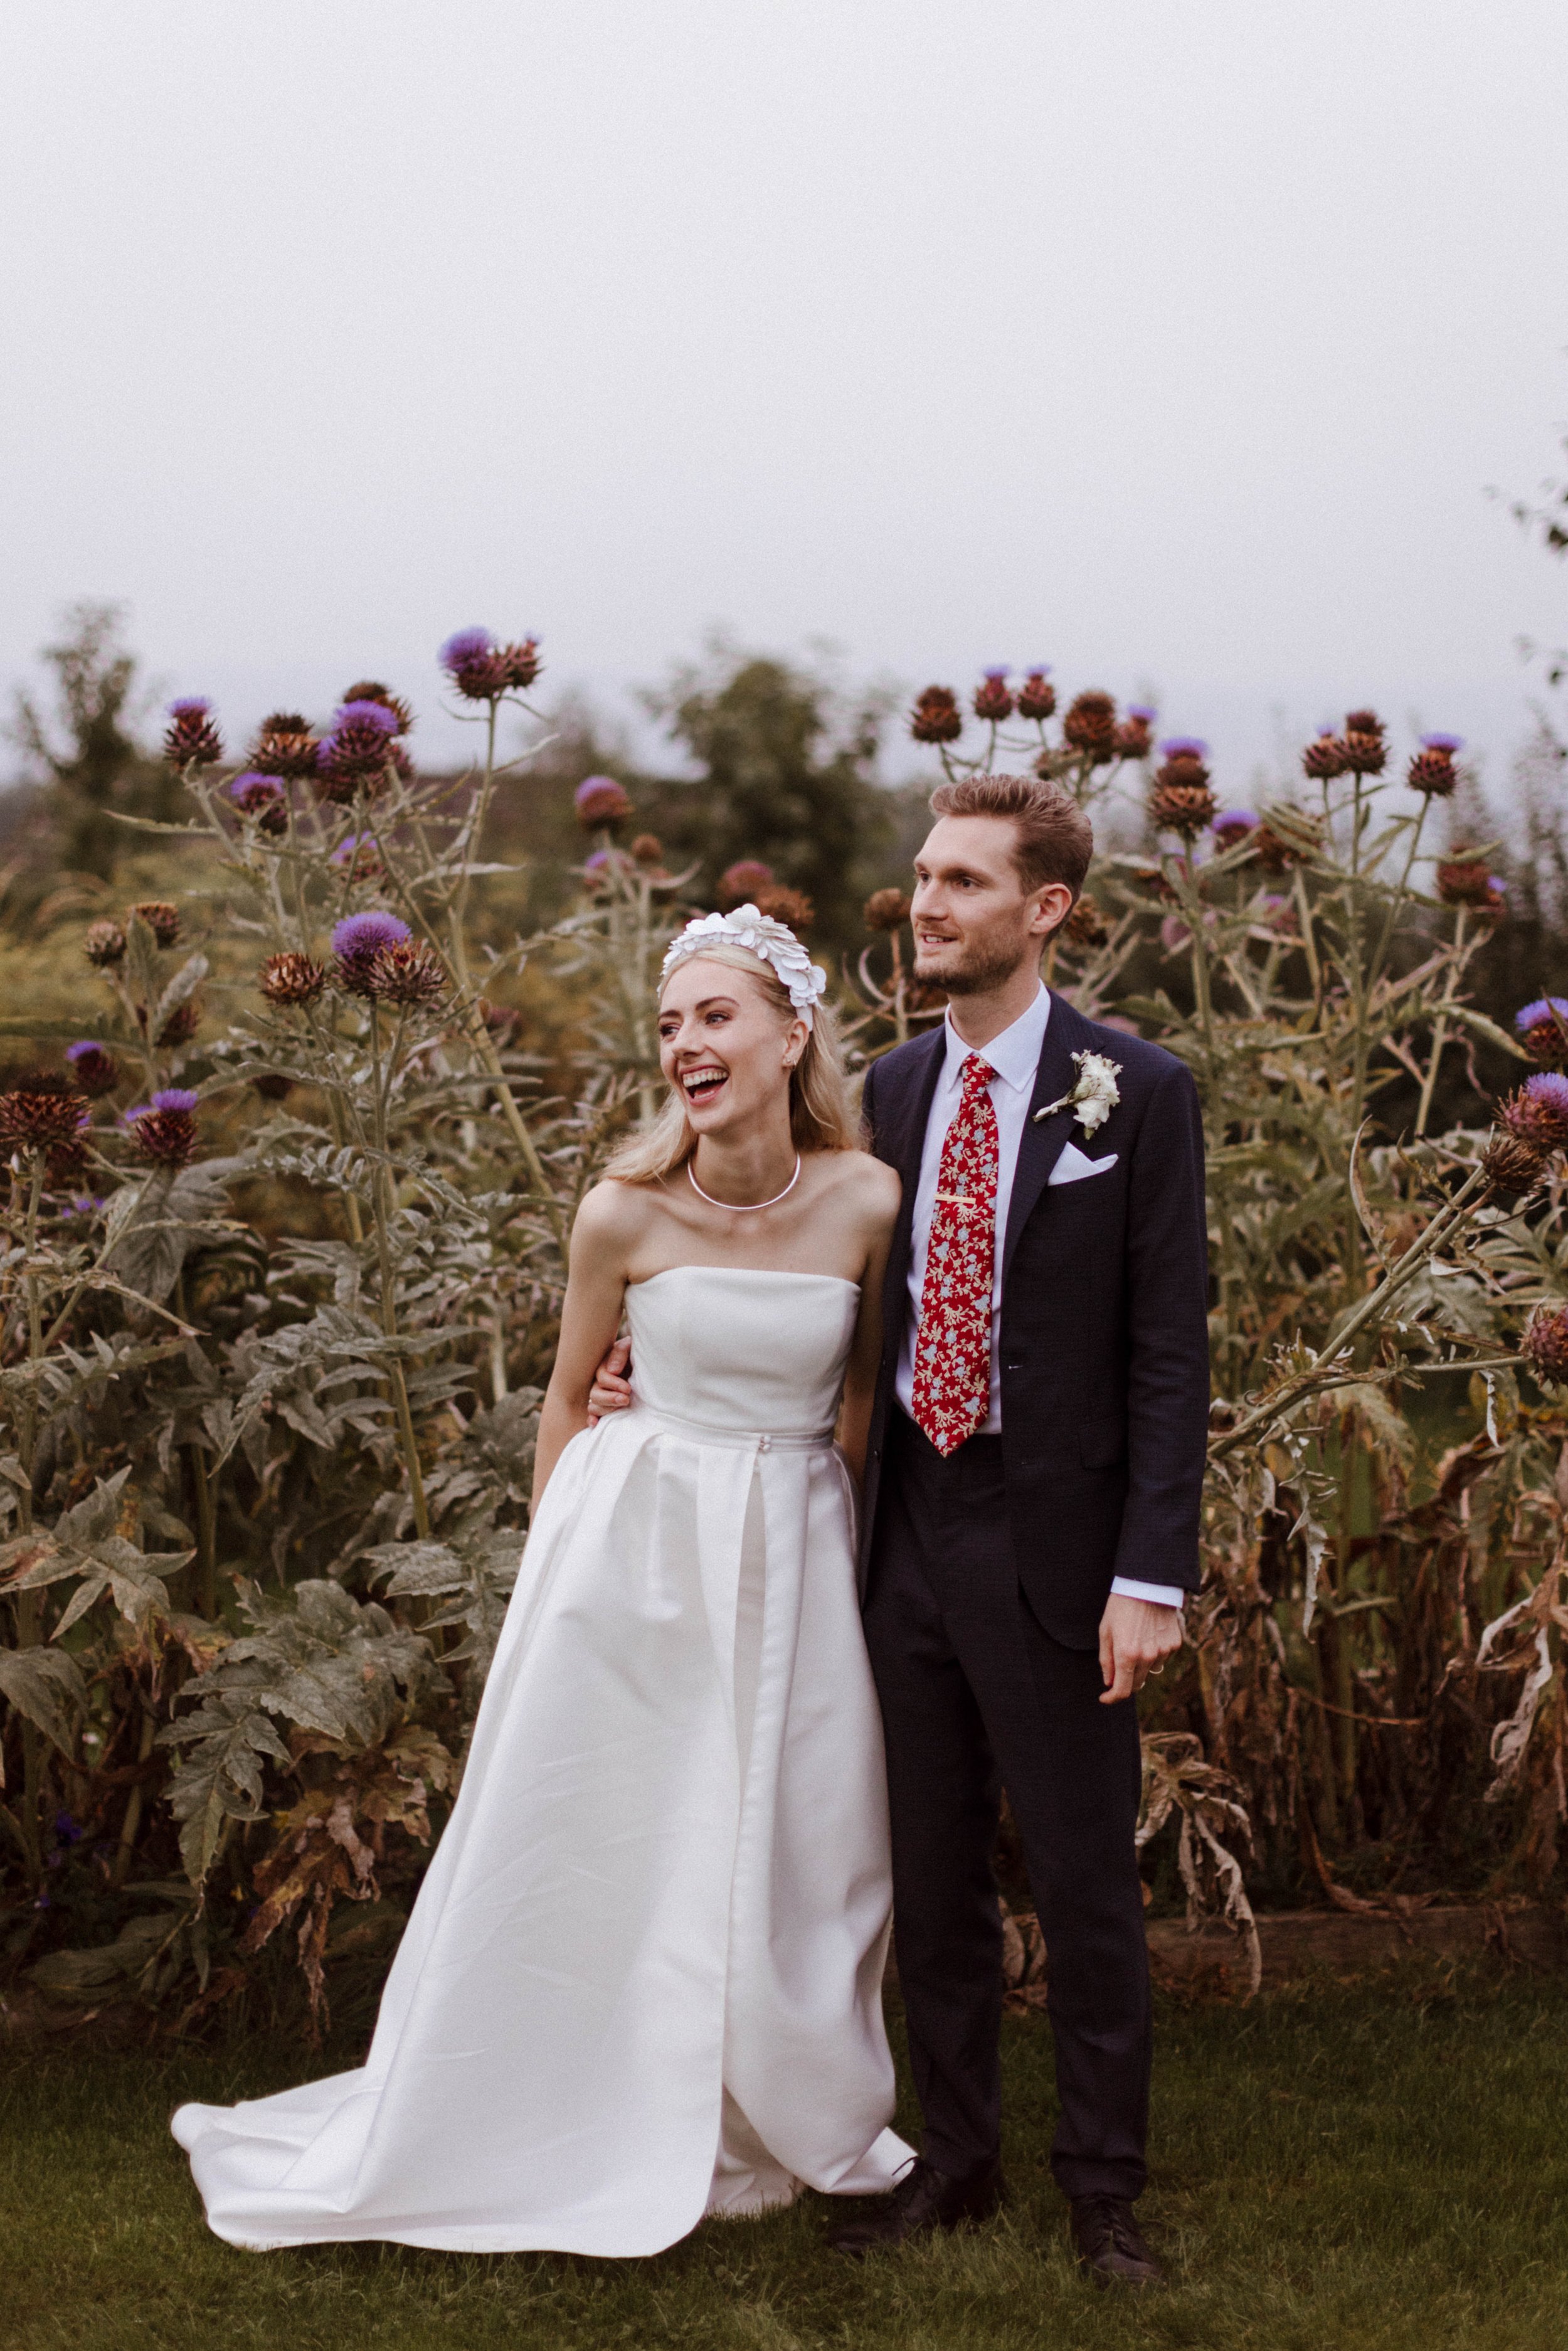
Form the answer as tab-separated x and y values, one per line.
611	1391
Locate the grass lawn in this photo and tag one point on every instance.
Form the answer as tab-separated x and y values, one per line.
1384	2165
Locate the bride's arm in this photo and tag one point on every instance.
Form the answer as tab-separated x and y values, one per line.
865	1349
601	1241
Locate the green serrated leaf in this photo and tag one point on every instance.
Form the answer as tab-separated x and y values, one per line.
47	1686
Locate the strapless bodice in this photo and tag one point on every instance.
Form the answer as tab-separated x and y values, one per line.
727	1347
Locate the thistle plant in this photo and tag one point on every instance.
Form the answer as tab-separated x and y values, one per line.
282	1267
1310	960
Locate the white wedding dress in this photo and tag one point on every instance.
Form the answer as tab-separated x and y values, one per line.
643	1977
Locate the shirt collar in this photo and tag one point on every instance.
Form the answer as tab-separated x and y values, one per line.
1014	1055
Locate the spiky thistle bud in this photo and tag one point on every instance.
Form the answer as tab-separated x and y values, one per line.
357	754
1037	695
740	884
1467	881
1325	758
369	689
1086	926
647	849
1180	800
519	664
936	717
191	739
93	1069
601	800
181	1026
886	910
1135	735
104	944
356	943
165	1131
1542	1028
1089	726
408	974
1537	1112
285	746
992	701
1511	1166
291	979
42	1112
1432	769
786	905
1545	1342
262	797
162	918
1364	755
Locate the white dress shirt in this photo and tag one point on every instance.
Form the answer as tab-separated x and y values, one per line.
1015	1058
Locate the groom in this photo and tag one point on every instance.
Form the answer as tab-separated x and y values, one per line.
1031	1506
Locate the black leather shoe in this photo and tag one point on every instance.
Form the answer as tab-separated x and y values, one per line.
923	2199
1108	2248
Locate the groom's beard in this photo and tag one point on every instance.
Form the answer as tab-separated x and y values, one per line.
978	970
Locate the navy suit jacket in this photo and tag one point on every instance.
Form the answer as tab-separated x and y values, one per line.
1105	1322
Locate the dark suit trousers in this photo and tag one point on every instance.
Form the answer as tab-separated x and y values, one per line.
976	1696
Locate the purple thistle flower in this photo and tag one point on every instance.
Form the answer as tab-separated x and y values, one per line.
94	1068
1184	747
178	1098
1541	1014
190	705
1549	1087
366	714
1449	743
597	864
1495	881
359	936
466	645
357	940
998	674
1143	710
599	799
1234	821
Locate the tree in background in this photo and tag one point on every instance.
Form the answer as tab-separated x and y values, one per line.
786	780
85	753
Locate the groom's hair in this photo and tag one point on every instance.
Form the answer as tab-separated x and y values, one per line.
1053	841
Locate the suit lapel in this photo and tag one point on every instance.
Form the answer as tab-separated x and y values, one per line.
901	1134
1066	1033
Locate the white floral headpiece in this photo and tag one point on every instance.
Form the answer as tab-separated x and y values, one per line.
774	942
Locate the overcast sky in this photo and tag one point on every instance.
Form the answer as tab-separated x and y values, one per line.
1175	343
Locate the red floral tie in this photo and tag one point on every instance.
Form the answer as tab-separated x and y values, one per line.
952	1392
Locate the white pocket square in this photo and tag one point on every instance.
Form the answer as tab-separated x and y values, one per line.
1072	1167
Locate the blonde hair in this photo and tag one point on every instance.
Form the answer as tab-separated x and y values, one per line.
820	1116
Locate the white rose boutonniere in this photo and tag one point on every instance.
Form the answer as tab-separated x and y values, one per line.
1094	1096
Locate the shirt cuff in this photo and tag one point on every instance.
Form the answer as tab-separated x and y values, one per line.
1163	1596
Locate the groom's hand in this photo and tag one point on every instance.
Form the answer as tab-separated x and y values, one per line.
611	1391
1136	1636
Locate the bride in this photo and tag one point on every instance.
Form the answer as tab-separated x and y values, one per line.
643	1977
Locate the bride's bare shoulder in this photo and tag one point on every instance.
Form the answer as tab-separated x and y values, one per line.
873	1187
613	1212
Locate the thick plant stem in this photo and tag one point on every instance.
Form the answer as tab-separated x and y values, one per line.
1439	1034
206	1512
126	1849
382	1209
